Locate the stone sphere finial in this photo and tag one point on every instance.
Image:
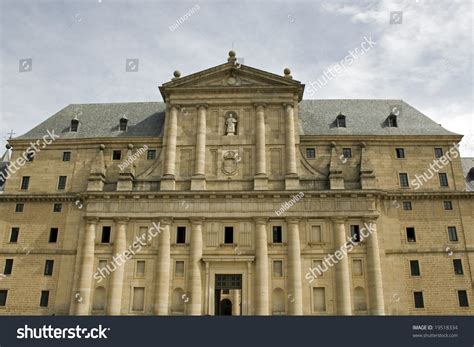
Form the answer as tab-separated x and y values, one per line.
102	147
130	146
287	72
8	146
232	57
177	74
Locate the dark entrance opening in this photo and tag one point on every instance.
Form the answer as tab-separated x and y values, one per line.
228	295
226	307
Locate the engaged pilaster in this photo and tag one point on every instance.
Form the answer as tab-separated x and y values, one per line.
83	294
291	177
168	179
163	270
261	270
261	178
343	280
374	271
295	294
198	181
114	302
194	306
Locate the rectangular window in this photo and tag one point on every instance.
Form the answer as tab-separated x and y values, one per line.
418	298
105	234
277	268
414	268
62	182
229	235
8	267
411	236
3	297
404	180
138	298
44	298
457	265
400	153
347	152
407	206
57	207
181	235
53	235
355	233
316	234
438	152
19	208
357	267
140	268
452	234
66	156
25	182
116	155
310	153
448	205
319	299
277	234
462	296
179	268
14	235
151	154
48	268
443	179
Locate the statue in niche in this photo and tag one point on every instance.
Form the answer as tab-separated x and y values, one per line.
231	124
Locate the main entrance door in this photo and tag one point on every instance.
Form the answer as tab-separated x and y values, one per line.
228	294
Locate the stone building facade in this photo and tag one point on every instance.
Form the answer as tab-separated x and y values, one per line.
236	197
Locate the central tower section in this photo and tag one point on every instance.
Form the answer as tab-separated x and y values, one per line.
231	127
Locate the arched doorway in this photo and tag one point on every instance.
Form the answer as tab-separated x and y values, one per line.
226	307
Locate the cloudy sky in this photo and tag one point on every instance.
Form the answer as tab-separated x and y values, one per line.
78	49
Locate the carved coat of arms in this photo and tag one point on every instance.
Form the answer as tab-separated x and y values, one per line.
230	163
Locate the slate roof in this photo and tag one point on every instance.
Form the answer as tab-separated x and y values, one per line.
102	120
363	117
468	170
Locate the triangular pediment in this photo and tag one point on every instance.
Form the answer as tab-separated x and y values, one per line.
231	75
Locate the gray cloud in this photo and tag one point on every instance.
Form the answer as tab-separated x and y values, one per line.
79	51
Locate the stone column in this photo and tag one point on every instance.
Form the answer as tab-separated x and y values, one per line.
290	140
343	279
261	268
295	293
194	306
114	299
82	296
374	271
168	181
163	270
235	302
198	181
261	178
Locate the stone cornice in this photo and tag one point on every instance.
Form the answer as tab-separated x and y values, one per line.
147	195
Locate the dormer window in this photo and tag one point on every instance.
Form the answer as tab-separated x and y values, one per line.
74	125
392	121
341	121
123	124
